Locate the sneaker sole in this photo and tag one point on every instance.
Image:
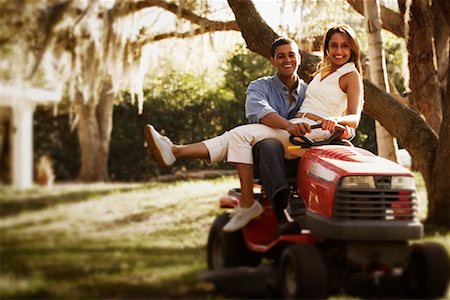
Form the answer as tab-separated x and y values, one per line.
254	216
152	147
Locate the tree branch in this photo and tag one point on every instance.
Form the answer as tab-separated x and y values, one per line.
206	25
413	132
50	18
391	20
259	36
179	11
198	31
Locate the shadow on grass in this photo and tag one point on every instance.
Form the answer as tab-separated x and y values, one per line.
11	207
104	271
172	289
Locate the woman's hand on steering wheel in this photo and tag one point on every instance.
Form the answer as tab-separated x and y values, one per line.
328	124
346	133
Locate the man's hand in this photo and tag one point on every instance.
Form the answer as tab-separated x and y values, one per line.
298	129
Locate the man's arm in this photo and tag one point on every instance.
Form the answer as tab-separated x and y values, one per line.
259	110
274	120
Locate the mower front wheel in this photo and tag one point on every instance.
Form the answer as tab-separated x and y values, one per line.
228	249
428	271
303	273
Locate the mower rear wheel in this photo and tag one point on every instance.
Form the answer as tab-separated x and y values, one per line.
228	249
428	272
303	273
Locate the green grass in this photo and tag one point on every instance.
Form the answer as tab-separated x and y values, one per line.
108	240
111	241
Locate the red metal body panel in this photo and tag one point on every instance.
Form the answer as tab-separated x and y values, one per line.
260	234
321	168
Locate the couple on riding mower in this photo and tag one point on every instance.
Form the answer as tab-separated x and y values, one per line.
277	107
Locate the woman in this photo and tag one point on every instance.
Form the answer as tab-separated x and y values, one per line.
334	96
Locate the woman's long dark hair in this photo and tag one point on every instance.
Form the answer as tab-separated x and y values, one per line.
325	64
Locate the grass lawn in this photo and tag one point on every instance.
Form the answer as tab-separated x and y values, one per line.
111	241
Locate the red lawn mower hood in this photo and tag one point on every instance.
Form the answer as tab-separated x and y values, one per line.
350	160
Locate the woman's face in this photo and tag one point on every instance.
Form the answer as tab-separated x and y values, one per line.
339	49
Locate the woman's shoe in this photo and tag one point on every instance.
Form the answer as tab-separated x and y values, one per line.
160	146
242	216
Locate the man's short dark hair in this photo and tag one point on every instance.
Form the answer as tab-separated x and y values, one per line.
279	42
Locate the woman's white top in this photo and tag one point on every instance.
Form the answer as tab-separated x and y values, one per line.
324	98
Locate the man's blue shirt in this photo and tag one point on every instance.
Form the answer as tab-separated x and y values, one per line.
269	94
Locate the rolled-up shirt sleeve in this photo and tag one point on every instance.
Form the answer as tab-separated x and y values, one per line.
257	104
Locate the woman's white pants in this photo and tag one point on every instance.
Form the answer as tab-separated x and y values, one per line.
237	143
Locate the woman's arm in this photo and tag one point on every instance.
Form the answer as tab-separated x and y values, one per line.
351	84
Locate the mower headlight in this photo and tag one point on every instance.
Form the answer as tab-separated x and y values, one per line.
403	182
358	182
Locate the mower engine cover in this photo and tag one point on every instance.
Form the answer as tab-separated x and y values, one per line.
350	193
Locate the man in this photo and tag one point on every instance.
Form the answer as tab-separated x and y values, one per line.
271	101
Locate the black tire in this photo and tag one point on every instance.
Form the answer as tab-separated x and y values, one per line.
303	273
228	249
428	271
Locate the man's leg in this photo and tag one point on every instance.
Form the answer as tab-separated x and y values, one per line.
272	169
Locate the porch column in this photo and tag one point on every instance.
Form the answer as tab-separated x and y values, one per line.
22	144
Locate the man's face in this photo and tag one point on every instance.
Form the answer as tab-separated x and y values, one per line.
286	60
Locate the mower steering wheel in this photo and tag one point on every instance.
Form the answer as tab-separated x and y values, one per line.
307	143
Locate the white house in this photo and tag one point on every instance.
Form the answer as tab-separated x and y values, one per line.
22	100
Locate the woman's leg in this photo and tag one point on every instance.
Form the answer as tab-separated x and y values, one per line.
166	153
248	208
240	145
242	139
190	151
245	173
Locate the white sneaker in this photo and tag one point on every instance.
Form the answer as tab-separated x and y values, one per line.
242	216
160	146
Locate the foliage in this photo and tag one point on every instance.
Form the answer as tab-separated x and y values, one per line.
54	137
174	105
365	134
181	105
396	61
243	66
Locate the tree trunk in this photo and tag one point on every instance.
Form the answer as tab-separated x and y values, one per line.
427	52
424	84
430	153
439	186
94	134
386	143
441	29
